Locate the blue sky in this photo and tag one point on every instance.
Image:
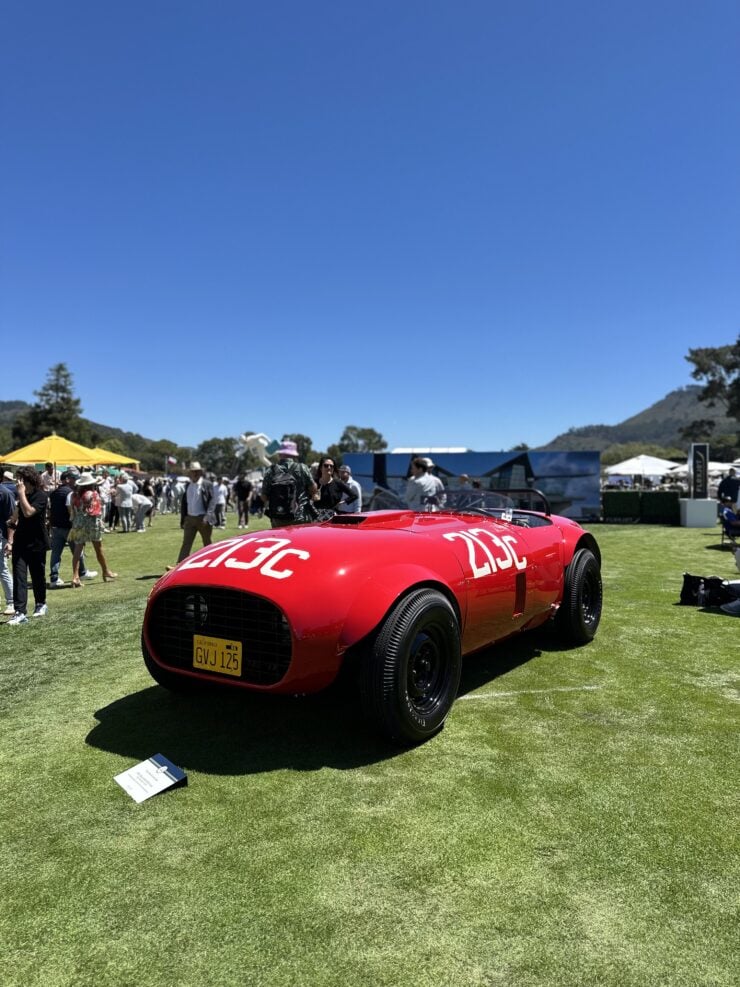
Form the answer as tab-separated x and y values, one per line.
460	223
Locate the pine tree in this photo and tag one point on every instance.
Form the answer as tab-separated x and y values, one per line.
57	410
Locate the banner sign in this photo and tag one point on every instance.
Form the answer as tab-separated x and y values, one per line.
699	470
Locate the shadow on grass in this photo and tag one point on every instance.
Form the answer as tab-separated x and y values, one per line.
221	731
496	660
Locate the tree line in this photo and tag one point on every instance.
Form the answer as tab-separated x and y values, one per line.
58	409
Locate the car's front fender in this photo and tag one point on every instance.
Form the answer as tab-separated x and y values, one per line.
376	596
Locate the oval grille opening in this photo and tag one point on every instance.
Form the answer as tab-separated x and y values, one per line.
179	613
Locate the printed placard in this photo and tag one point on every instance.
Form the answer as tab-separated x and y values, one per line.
151	777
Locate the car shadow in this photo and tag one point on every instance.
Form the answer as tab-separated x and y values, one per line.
230	732
492	662
235	733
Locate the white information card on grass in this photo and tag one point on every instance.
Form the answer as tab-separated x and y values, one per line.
151	777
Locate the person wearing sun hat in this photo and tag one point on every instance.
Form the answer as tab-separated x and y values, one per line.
196	510
87	525
60	523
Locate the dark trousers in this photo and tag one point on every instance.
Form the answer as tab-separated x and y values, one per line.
25	561
192	526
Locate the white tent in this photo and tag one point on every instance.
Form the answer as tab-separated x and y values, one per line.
713	469
650	466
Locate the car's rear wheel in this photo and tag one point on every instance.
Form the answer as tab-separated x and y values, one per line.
410	671
580	612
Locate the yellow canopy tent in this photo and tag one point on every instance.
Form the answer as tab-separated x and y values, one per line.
53	449
106	458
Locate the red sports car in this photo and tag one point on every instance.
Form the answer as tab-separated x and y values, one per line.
402	595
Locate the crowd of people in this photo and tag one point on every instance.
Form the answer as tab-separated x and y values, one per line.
48	512
43	512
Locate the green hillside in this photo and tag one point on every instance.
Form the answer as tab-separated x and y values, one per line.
657	425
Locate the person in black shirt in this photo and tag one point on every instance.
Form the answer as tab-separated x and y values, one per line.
28	543
729	487
243	490
331	490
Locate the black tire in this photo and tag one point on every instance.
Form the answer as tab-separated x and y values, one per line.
580	612
168	680
410	670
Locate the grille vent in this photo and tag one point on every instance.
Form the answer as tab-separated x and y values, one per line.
179	613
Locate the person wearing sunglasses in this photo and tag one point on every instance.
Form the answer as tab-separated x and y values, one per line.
331	489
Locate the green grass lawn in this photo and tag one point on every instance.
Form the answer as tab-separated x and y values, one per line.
574	823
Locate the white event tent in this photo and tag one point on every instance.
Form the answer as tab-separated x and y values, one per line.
643	465
715	470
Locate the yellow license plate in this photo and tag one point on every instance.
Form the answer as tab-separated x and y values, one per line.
217	654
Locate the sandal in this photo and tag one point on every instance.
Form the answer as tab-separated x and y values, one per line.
108	576
76	584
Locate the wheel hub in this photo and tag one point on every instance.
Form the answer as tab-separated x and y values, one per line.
424	668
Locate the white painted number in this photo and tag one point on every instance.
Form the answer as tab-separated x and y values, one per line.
482	559
268	552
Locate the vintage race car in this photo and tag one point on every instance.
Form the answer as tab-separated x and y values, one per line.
401	595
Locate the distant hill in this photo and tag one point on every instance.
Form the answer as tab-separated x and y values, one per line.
9	411
657	425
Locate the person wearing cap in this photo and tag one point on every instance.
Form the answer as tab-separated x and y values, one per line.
60	522
196	511
28	543
424	490
349	505
87	525
287	466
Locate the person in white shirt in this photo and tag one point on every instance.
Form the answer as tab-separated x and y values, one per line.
424	490
220	495
141	504
196	511
49	479
125	490
105	491
354	506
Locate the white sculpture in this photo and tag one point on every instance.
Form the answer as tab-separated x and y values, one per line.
257	445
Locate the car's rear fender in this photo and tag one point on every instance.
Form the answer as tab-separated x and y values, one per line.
585	541
380	592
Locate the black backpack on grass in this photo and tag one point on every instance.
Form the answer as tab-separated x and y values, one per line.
705	591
